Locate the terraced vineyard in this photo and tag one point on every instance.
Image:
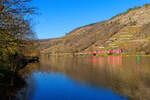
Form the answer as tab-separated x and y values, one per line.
125	38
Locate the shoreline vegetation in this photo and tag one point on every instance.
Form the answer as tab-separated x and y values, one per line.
18	44
104	54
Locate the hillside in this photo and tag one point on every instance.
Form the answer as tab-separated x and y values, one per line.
129	31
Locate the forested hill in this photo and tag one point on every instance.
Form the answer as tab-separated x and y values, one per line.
129	31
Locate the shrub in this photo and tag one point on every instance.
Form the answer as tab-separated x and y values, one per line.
1	52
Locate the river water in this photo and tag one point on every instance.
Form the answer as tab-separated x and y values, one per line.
88	78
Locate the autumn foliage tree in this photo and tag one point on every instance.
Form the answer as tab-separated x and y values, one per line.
15	30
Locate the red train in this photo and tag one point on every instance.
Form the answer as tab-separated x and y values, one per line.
104	51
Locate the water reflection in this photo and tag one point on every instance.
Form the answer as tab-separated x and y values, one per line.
111	60
92	77
26	93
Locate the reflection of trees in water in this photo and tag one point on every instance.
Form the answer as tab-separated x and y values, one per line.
128	75
8	92
23	87
27	92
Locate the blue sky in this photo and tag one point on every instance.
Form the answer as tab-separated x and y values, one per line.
58	17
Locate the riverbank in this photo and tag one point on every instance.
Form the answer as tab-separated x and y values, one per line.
10	80
73	54
6	70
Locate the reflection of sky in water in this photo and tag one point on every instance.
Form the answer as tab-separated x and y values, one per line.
56	86
90	78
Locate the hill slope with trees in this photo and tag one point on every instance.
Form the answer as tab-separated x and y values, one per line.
129	31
